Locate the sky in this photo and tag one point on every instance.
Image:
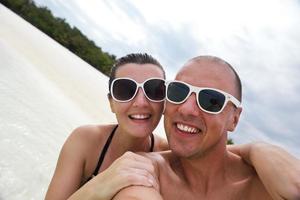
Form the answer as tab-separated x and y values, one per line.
260	38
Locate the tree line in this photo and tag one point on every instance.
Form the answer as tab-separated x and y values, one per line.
58	29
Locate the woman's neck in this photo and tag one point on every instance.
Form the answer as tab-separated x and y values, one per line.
123	142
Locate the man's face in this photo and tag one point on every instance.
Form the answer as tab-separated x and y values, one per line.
192	132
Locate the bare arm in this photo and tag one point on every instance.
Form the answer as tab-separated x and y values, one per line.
130	169
138	193
278	170
69	170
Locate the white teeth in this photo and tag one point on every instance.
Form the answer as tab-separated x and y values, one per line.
139	116
186	128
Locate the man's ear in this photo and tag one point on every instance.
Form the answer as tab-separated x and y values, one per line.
111	103
235	119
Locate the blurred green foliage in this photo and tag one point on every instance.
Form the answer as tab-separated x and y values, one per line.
62	32
230	141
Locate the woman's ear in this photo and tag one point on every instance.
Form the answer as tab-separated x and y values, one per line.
235	119
111	103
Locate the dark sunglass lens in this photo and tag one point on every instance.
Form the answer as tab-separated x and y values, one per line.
177	92
155	89
211	100
124	89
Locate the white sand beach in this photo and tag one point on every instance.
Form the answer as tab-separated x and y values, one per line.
45	92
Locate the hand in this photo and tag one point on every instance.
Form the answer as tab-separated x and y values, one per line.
129	169
243	150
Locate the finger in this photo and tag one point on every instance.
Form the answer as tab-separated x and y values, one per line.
135	161
152	178
131	162
137	176
129	159
242	150
139	170
137	157
234	149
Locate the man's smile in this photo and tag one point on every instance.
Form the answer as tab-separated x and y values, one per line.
187	129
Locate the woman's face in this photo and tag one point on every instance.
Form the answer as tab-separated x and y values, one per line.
140	116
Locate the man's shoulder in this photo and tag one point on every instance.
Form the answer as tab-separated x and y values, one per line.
246	179
239	168
257	189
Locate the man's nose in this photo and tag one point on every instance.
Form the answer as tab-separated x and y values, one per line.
190	106
140	99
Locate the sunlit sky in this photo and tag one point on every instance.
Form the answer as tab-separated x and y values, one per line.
260	38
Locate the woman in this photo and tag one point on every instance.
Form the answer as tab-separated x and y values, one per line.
136	96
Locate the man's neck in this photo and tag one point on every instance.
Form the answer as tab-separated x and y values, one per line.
210	168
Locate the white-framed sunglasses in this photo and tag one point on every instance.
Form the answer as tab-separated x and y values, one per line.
209	100
124	89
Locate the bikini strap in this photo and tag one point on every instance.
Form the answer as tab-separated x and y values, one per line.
104	150
152	142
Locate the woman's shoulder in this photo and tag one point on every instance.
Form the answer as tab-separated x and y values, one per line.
85	142
89	135
92	131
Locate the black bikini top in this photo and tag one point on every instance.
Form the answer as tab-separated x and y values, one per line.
105	148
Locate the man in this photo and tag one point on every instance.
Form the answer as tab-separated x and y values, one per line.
203	104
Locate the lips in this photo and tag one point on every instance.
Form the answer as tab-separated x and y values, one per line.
140	116
187	128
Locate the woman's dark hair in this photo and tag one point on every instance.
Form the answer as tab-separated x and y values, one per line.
137	58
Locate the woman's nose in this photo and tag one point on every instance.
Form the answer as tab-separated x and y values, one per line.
140	99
